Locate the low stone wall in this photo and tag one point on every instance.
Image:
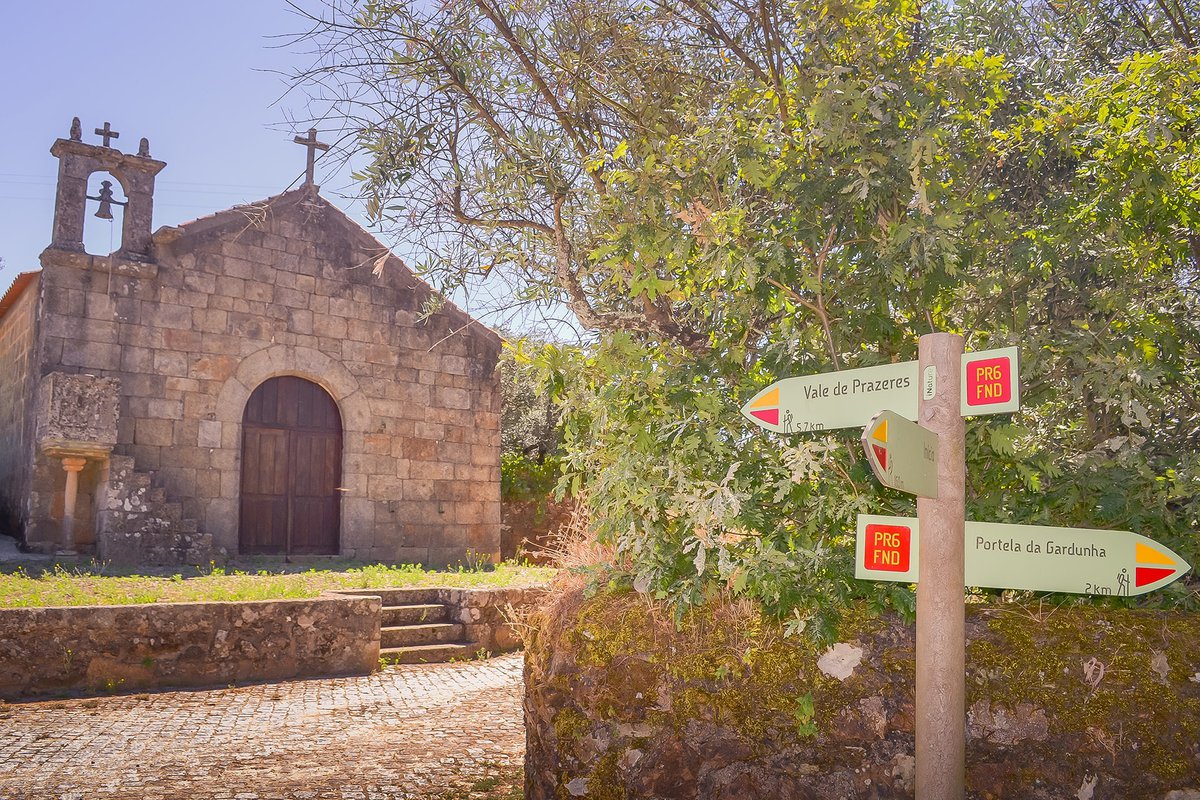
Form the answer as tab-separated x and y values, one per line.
492	619
122	648
1080	702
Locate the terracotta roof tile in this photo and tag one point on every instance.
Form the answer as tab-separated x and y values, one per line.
16	290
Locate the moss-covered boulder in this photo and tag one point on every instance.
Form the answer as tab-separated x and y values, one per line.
1062	703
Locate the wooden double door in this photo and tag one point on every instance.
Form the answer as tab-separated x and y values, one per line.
291	470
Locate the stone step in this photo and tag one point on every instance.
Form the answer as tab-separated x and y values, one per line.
138	480
171	512
413	635
397	597
119	462
427	654
134	520
413	614
150	527
167	515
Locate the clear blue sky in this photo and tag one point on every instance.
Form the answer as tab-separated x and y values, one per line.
202	81
196	79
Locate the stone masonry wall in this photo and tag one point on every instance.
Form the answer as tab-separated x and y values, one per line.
123	648
492	618
625	701
17	362
288	288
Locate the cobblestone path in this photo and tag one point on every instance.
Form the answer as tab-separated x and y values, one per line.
430	731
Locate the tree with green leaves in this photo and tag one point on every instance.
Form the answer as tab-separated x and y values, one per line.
727	193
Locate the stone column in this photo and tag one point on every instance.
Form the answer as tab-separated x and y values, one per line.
72	466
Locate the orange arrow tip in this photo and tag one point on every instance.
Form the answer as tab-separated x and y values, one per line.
1145	554
771	398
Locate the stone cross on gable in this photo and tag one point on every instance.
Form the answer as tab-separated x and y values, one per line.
107	133
313	146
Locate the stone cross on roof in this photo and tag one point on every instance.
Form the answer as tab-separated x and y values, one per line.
107	133
313	146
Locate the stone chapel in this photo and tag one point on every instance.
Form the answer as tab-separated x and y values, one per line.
261	381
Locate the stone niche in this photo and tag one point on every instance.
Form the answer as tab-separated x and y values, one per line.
77	415
76	431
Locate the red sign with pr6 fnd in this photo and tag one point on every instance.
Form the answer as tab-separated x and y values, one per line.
888	547
989	382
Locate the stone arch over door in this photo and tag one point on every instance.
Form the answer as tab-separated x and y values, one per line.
224	433
291	470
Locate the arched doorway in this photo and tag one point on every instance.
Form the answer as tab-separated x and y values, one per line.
291	470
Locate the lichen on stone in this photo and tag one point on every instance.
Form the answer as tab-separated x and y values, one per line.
642	706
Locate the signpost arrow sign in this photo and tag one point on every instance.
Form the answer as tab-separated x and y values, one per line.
848	399
902	454
1035	557
834	399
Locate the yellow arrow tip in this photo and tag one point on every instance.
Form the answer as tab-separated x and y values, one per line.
880	432
1150	555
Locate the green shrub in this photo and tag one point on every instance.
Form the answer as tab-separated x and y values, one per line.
524	479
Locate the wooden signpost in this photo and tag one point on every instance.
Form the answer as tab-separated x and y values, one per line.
928	391
941	651
939	550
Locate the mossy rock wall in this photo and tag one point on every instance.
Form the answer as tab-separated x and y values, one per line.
1062	703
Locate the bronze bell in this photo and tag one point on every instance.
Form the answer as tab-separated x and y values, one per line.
106	200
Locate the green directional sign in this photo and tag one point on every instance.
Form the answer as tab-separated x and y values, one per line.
902	454
849	399
1034	557
835	399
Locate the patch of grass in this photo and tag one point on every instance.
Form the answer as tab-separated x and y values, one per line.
500	783
389	661
485	784
94	584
